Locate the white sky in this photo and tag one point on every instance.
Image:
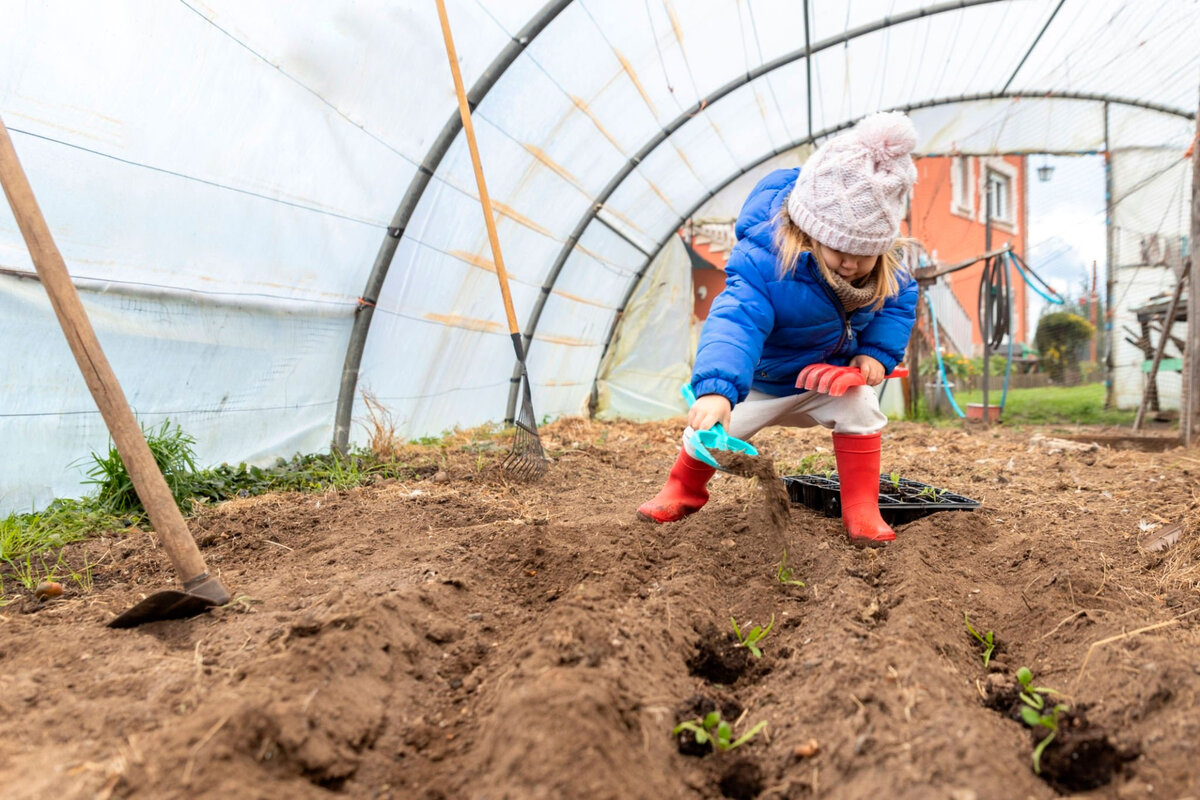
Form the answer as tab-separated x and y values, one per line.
1066	225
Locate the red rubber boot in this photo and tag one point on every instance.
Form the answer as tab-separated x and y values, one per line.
684	493
858	472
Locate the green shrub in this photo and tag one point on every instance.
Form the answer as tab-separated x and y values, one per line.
173	451
1060	337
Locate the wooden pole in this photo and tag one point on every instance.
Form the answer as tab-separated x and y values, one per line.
1190	419
147	480
1162	346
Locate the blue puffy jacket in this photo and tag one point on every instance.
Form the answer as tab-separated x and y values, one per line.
763	329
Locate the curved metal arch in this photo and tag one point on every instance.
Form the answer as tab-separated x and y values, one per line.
416	188
805	52
653	253
912	107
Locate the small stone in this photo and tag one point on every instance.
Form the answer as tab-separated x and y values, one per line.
728	544
475	617
47	589
807	749
470	683
441	476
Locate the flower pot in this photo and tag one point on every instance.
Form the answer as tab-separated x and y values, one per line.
975	411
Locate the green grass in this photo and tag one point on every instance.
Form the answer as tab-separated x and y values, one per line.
1053	405
28	541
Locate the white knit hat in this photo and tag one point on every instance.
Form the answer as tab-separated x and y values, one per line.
850	193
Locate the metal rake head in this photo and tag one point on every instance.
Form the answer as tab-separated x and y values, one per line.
526	461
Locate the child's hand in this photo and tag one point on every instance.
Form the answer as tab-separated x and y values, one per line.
871	369
708	411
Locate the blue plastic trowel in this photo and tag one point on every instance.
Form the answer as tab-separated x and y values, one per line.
715	438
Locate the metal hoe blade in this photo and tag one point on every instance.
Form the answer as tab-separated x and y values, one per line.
196	598
527	460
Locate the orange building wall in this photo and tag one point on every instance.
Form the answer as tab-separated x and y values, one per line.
950	237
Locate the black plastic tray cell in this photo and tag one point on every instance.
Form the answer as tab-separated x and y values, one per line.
900	501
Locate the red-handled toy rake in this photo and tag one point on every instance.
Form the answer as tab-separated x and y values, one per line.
836	381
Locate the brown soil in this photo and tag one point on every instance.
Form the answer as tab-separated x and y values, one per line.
774	508
468	637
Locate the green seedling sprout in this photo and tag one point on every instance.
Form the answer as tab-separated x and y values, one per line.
894	478
753	636
784	575
987	641
711	729
1037	714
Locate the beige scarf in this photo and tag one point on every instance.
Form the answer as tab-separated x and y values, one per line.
852	297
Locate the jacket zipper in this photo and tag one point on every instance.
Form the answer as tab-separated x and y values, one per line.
837	304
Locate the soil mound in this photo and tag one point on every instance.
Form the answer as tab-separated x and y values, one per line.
470	637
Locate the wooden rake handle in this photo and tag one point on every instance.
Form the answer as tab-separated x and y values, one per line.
101	382
464	111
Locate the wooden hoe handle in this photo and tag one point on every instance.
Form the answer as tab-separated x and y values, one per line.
131	444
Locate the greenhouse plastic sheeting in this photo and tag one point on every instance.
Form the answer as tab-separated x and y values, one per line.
221	178
651	356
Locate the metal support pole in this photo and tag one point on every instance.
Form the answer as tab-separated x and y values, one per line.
1110	283
985	332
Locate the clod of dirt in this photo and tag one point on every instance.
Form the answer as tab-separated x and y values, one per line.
741	780
718	658
776	502
1081	757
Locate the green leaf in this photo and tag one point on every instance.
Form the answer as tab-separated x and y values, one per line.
724	733
749	735
736	629
754	651
711	719
1025	676
1037	752
701	737
1032	718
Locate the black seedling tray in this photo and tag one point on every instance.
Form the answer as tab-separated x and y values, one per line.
898	504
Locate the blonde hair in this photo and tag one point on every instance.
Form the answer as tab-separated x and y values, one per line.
791	243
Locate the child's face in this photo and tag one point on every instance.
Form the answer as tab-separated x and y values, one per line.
848	267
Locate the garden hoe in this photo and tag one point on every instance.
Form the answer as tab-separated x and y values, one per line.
527	460
200	590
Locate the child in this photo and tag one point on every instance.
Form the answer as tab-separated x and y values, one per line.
815	278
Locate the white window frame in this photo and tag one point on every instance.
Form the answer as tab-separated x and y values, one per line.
1009	220
962	198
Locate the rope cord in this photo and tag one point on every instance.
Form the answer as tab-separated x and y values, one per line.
937	351
1017	261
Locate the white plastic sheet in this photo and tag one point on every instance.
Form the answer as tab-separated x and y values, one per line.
225	173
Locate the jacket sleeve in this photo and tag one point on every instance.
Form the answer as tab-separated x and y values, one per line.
738	322
886	337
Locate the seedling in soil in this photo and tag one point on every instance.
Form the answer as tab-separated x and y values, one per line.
753	636
894	478
712	729
1038	714
931	494
987	641
784	575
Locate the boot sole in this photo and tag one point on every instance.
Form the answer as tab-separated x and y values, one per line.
872	543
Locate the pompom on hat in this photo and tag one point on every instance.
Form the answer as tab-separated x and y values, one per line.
850	193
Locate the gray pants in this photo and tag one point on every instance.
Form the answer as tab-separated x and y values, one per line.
857	411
